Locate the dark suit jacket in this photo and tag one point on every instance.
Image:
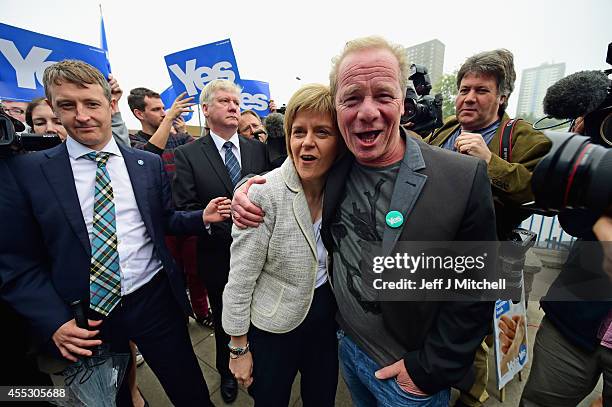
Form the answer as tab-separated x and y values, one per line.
201	176
48	268
444	196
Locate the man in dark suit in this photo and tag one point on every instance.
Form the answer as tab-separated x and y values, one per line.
100	213
210	168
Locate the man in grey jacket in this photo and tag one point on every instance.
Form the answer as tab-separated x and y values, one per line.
404	353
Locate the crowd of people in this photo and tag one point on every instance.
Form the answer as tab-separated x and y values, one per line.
269	222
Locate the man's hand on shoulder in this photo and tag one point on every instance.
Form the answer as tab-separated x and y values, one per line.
73	341
244	212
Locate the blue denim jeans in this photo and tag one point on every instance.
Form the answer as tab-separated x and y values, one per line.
367	391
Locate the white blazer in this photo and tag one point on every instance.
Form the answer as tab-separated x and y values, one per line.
273	267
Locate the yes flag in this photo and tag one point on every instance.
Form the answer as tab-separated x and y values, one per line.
24	55
255	96
190	70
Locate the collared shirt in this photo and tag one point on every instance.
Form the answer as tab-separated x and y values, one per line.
487	134
321	255
137	259
219	142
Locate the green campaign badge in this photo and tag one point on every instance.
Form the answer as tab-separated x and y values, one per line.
394	219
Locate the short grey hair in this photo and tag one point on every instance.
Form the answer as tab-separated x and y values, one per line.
499	64
371	42
218	84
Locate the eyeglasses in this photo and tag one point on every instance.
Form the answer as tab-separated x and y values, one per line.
14	110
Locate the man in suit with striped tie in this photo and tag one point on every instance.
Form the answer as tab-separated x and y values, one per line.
206	169
96	214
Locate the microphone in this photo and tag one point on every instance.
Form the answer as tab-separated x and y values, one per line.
274	125
258	133
576	95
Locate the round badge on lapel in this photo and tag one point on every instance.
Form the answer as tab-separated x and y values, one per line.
140	162
394	219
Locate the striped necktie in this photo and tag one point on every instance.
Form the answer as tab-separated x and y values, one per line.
104	277
231	163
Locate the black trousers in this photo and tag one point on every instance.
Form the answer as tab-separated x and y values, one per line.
215	278
311	349
152	318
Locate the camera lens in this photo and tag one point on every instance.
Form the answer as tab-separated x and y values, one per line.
575	173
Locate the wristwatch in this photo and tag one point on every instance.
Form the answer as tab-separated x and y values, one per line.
238	350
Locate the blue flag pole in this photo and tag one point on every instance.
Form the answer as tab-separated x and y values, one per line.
103	43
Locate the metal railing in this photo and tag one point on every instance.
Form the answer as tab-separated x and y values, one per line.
550	233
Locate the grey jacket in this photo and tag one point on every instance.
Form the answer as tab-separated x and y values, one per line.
273	267
119	129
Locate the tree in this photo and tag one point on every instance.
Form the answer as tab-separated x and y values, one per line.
447	87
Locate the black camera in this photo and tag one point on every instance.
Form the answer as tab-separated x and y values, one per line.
576	173
12	143
420	108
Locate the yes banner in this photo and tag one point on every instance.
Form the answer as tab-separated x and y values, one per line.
24	55
168	97
190	70
255	96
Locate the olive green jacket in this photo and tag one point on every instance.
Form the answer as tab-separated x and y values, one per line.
511	181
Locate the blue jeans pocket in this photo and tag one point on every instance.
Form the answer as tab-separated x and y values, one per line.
406	394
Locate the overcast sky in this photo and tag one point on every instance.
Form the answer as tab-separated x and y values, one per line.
277	41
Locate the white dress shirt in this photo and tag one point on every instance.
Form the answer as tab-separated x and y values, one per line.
219	141
137	260
321	254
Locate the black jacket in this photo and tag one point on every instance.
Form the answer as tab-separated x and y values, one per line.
447	197
583	280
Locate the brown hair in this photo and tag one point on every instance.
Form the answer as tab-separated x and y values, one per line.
499	64
74	71
136	98
31	106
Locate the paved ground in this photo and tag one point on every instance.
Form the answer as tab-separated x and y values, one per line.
203	343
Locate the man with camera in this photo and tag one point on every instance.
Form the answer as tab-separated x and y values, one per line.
573	346
511	148
485	82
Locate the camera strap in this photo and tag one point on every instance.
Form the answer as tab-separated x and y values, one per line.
505	143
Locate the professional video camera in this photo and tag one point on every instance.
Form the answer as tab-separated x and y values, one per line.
576	173
12	143
420	108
